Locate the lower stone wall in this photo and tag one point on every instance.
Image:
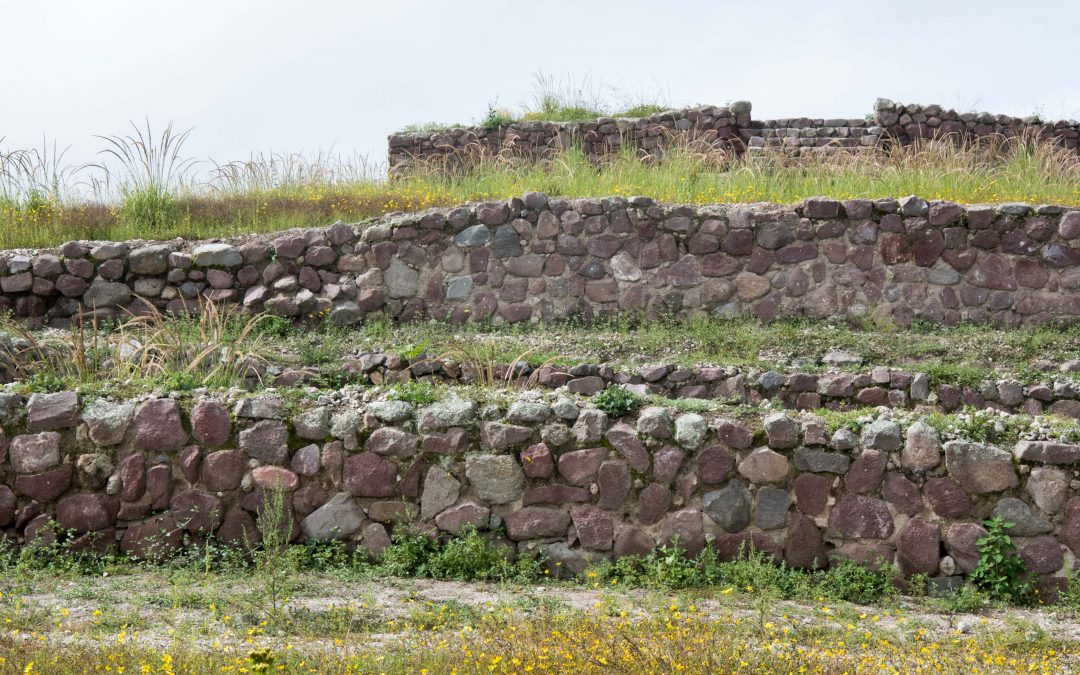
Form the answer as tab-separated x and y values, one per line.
544	473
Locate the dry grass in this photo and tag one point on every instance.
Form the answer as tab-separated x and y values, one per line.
156	193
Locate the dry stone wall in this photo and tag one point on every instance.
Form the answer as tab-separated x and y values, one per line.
543	473
538	259
730	128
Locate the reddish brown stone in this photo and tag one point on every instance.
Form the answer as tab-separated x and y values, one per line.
859	517
210	423
369	475
536	522
595	528
653	502
903	494
536	461
153	540
1042	555
580	466
190	461
624	438
803	546
158	426
614	482
159	485
811	493
866	472
46	486
960	542
947	499
684	528
132	470
222	471
85	512
554	493
196	511
918	547
714	465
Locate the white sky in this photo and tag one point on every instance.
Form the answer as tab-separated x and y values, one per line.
254	75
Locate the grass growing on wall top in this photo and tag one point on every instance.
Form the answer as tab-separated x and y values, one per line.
41	205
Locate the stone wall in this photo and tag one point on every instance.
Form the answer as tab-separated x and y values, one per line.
546	472
729	128
537	259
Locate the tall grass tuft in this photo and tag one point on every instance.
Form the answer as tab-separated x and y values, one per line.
155	171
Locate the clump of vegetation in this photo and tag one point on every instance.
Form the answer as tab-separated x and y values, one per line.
618	402
1000	572
468	557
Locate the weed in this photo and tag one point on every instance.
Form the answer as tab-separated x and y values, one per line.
1000	572
617	402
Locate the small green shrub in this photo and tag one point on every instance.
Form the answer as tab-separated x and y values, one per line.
496	118
850	581
1000	572
618	402
468	557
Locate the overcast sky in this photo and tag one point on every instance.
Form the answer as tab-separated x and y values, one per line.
254	75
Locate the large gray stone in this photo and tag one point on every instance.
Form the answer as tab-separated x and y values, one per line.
217	255
336	519
980	469
401	280
882	435
441	490
781	430
690	430
772	507
107	422
1025	523
496	478
729	507
922	447
34	453
46	412
450	412
150	260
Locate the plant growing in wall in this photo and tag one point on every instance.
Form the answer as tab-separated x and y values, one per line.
1000	571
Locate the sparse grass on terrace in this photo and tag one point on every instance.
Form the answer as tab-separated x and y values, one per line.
276	192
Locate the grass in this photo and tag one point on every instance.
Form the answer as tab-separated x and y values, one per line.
40	204
171	351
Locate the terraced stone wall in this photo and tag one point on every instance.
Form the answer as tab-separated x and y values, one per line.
540	259
542	473
730	128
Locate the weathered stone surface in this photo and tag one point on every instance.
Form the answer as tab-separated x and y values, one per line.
466	514
497	435
369	475
153	540
960	542
1025	523
714	465
866	472
655	422
496	478
613	480
449	412
441	490
653	502
811	493
1048	488
729	507
590	426
764	466
1042	555
690	430
338	518
666	463
45	412
222	470
902	493
266	441
820	461
34	453
860	517
684	528
537	462
210	423
979	469
595	528
196	511
624	438
85	512
107	422
882	435
947	498
536	522
44	487
158	426
580	467
917	547
771	508
392	442
922	447
781	430
274	478
1047	452
803	545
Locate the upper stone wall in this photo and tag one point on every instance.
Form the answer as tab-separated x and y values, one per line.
730	128
537	259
